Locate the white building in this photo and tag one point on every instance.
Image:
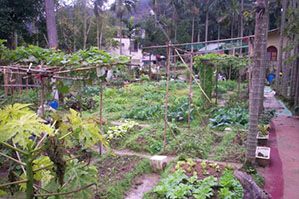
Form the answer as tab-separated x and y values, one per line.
131	48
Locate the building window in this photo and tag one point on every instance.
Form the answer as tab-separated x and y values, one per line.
134	46
272	53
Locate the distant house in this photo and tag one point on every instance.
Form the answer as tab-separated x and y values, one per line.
131	48
272	47
213	47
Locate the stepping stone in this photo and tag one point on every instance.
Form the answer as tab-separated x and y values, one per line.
158	162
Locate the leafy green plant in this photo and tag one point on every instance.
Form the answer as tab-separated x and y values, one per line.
169	187
37	55
40	147
116	132
179	110
26	97
264	129
231	187
79	102
178	185
206	71
266	116
225	117
144	112
204	188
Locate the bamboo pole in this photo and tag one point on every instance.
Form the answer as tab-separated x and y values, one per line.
21	85
166	96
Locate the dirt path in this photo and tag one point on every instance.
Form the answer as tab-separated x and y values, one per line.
282	176
142	185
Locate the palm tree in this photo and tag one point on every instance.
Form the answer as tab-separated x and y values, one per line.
257	76
98	8
241	26
234	12
281	45
176	5
51	24
209	4
121	7
132	29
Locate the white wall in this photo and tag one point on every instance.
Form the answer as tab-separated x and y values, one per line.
136	57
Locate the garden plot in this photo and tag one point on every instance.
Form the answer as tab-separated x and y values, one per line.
201	179
141	105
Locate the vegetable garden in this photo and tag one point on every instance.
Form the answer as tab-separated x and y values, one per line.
71	152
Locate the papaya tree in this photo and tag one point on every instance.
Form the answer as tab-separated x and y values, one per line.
43	152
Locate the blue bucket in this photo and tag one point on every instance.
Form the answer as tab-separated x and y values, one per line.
54	104
271	78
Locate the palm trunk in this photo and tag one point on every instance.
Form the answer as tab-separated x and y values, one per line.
84	25
101	37
296	101
257	79
98	31
15	39
206	27
232	26
51	24
281	44
130	48
265	63
285	74
295	74
241	25
120	36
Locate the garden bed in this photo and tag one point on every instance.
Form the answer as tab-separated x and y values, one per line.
197	179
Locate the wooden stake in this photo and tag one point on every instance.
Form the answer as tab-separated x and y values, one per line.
101	115
216	89
27	82
42	97
166	95
5	75
190	90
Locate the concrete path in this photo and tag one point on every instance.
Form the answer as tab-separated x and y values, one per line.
282	176
142	185
287	132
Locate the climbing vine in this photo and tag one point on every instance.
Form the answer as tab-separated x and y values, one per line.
207	65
